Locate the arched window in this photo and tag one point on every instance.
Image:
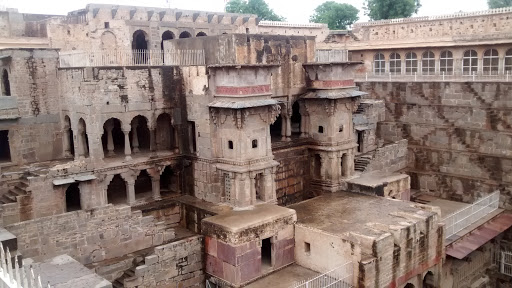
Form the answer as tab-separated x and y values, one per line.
446	63
167	35
379	64
491	62
185	34
411	63
200	34
395	63
6	85
470	62
428	63
508	61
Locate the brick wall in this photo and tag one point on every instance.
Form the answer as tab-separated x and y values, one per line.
291	175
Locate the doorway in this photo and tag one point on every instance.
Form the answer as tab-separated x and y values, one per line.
266	254
73	198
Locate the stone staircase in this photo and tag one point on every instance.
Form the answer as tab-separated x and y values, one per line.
360	109
19	188
130	273
362	161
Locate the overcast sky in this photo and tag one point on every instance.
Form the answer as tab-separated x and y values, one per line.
296	11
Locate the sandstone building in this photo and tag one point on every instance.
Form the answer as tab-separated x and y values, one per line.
152	147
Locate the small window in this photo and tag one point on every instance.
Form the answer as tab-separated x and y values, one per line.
254	143
320	129
307	248
230	144
107	25
6	85
341	128
247	30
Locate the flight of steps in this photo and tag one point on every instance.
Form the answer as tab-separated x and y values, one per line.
130	273
18	189
360	109
362	161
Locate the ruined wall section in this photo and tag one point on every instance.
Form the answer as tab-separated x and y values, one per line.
92	236
292	175
459	135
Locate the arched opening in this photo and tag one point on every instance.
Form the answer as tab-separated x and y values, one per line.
491	62
317	166
428	280
379	64
73	198
82	138
409	285
167	35
140	47
411	63
116	190
344	165
296	118
508	61
428	63
6	84
395	64
470	62
169	182
112	138
185	34
143	186
201	34
69	142
140	135
5	150
258	187
108	41
360	141
275	129
446	63
164	133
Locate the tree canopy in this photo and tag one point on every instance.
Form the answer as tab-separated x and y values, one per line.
499	3
336	15
258	7
391	9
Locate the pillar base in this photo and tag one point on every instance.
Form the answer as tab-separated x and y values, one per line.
128	158
111	153
136	149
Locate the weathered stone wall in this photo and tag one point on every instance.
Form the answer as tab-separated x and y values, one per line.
102	233
292	175
177	264
389	158
458	133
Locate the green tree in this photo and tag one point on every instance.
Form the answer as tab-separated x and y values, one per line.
258	7
336	15
391	9
499	3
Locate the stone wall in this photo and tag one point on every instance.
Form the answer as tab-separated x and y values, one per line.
389	158
292	175
102	233
177	264
458	133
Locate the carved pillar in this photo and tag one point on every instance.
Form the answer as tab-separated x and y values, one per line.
176	140
127	149
340	167
109	126
152	140
288	127
81	146
252	180
322	167
155	187
283	127
65	142
130	192
135	138
268	185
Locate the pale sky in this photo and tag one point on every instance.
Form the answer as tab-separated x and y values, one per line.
296	11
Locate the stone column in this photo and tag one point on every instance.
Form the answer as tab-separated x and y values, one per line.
288	127
135	138
252	196
268	190
152	140
130	192
127	149
340	166
81	146
66	143
110	140
176	140
283	127
155	187
322	167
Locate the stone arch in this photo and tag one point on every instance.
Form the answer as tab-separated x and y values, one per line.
169	181
140	46
83	140
67	139
409	285
165	133
116	190
140	134
108	41
185	34
113	137
429	280
6	84
201	34
167	35
73	197
344	165
296	119
143	185
276	127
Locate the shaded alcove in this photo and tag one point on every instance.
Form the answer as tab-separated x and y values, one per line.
5	150
266	254
71	141
185	34
169	182
6	84
116	190
117	140
140	47
201	34
142	139
164	132
167	35
143	186
275	128
296	118
73	202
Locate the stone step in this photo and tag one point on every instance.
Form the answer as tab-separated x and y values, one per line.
6	200
117	284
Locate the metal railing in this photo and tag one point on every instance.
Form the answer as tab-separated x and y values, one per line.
461	219
454	77
340	277
506	263
331	55
14	276
292	25
137	57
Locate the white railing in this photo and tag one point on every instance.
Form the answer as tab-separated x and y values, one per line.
14	276
294	25
331	55
132	58
506	263
461	219
439	17
439	77
340	277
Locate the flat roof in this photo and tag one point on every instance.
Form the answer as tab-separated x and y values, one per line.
345	212
377	178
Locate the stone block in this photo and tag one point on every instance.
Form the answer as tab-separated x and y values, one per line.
226	253
214	266
150	260
231	274
250	270
211	246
